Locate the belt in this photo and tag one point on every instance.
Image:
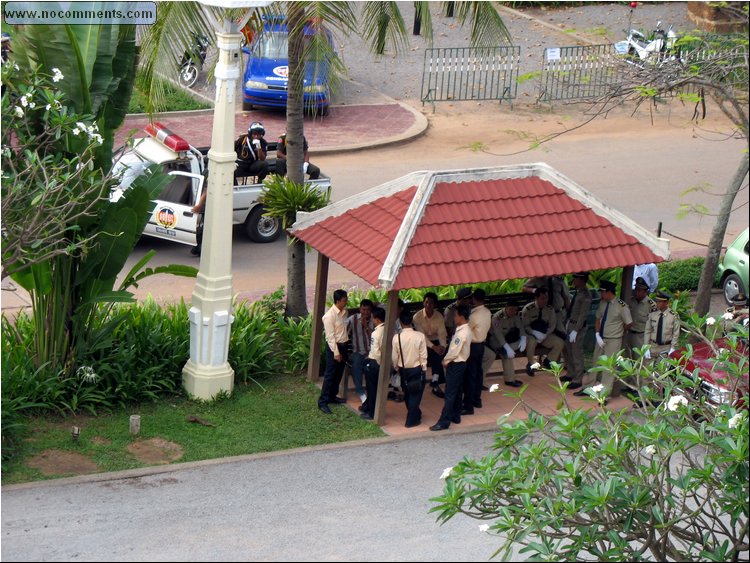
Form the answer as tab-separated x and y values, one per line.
482	342
636	331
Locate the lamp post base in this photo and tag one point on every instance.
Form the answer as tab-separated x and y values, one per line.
208	381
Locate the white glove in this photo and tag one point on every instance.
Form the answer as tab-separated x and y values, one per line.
647	355
670	351
572	336
522	344
256	143
538	335
509	351
599	340
304	167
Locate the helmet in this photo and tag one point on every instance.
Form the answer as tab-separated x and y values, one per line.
256	127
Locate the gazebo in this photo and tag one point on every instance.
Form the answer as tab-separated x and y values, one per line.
456	227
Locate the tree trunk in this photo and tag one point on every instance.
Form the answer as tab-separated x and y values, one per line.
703	298
296	292
296	302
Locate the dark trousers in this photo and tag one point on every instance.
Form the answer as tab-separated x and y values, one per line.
454	377
435	362
414	398
332	375
257	168
372	375
312	170
473	379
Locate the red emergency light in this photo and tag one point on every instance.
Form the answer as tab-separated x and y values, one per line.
166	137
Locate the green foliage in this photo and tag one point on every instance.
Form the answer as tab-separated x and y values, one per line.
667	482
295	336
283	198
253	351
175	99
681	275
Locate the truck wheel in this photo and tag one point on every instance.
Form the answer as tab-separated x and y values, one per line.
262	229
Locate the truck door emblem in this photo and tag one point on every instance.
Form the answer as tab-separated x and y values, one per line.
166	217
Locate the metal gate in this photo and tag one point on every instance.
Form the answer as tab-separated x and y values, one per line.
470	73
578	72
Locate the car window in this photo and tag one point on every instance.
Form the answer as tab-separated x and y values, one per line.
273	45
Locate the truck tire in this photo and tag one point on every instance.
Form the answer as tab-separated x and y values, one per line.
262	229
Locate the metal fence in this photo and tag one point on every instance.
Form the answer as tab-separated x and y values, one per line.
578	72
470	73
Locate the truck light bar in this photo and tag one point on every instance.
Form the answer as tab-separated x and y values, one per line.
166	137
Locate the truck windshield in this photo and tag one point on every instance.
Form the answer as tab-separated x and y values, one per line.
273	45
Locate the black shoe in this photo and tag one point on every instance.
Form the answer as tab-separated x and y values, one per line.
438	392
195	251
337	401
513	383
456	420
437	427
575	385
529	371
361	408
485	388
566	379
413	424
478	404
325	408
465	412
581	393
365	416
546	364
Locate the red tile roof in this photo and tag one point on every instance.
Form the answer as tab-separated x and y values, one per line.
460	227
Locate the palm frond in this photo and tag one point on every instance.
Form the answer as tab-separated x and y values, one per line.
487	27
381	25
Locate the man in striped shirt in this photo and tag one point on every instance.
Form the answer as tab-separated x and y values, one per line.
359	327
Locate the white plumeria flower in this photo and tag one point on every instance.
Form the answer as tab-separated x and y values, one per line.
597	388
76	131
57	76
19	112
15	66
675	401
24	100
710	321
734	422
32	105
494	387
484	527
98	138
48	107
536	365
727	316
649	450
446	473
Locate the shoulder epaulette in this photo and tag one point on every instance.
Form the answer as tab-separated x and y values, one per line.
621	302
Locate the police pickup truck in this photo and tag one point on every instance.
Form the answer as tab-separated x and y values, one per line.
172	217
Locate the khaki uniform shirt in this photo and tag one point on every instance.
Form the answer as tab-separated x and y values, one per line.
334	326
618	317
414	352
501	325
531	312
670	329
376	342
640	310
432	327
580	306
450	318
480	322
459	348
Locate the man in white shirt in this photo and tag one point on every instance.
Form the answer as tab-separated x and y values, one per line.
372	365
649	272
410	358
480	322
334	326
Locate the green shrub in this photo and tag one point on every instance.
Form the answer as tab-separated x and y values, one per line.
175	99
295	336
681	275
253	350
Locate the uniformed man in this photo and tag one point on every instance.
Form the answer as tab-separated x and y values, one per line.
430	322
334	327
372	365
480	322
612	321
410	358
558	297
662	328
578	313
463	297
455	368
641	306
539	322
507	337
738	312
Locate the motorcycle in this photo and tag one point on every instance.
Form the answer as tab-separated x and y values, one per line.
192	60
640	50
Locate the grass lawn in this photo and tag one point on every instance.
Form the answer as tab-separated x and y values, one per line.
253	420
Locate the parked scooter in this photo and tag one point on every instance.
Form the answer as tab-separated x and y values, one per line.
192	60
639	49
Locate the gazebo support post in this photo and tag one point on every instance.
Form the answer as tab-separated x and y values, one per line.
321	283
385	360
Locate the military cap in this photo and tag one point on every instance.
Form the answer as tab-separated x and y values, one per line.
739	300
464	293
605	285
582	275
662	296
640	283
